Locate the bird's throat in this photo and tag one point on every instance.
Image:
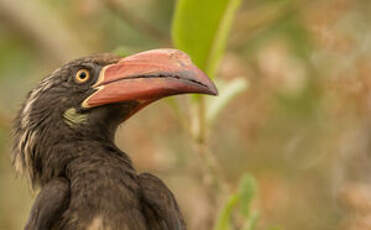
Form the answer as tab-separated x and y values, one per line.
73	118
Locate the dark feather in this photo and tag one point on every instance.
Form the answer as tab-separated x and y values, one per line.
86	182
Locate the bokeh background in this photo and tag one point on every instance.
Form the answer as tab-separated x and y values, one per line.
302	128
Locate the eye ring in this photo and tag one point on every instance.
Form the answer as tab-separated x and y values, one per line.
82	76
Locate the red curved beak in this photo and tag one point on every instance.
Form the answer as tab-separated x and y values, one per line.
149	76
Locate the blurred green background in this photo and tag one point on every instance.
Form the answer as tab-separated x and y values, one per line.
302	128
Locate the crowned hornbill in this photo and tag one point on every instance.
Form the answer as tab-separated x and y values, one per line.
64	141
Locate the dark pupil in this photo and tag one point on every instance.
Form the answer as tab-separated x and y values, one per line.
82	75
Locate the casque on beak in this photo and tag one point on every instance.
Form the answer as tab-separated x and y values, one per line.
149	76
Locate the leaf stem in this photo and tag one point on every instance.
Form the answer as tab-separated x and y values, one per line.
201	136
212	176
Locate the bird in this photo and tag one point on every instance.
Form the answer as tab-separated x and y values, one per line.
64	141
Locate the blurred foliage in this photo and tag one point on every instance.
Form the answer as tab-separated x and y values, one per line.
227	92
302	129
203	38
243	198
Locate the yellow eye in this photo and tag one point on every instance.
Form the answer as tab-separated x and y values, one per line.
82	76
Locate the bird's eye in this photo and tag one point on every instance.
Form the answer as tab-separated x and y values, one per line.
82	76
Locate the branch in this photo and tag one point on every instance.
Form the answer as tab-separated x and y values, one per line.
135	22
36	23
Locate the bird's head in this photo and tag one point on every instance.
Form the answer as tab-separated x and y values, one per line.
89	97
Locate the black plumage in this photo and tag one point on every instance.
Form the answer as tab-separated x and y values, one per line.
67	149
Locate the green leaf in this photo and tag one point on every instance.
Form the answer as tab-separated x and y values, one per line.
224	220
246	193
247	190
201	28
251	221
227	92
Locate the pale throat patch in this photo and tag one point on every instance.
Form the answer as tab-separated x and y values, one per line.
97	224
73	118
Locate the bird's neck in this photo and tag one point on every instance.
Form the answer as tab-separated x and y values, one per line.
64	145
50	143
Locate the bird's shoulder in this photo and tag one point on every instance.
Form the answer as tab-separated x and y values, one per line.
160	206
